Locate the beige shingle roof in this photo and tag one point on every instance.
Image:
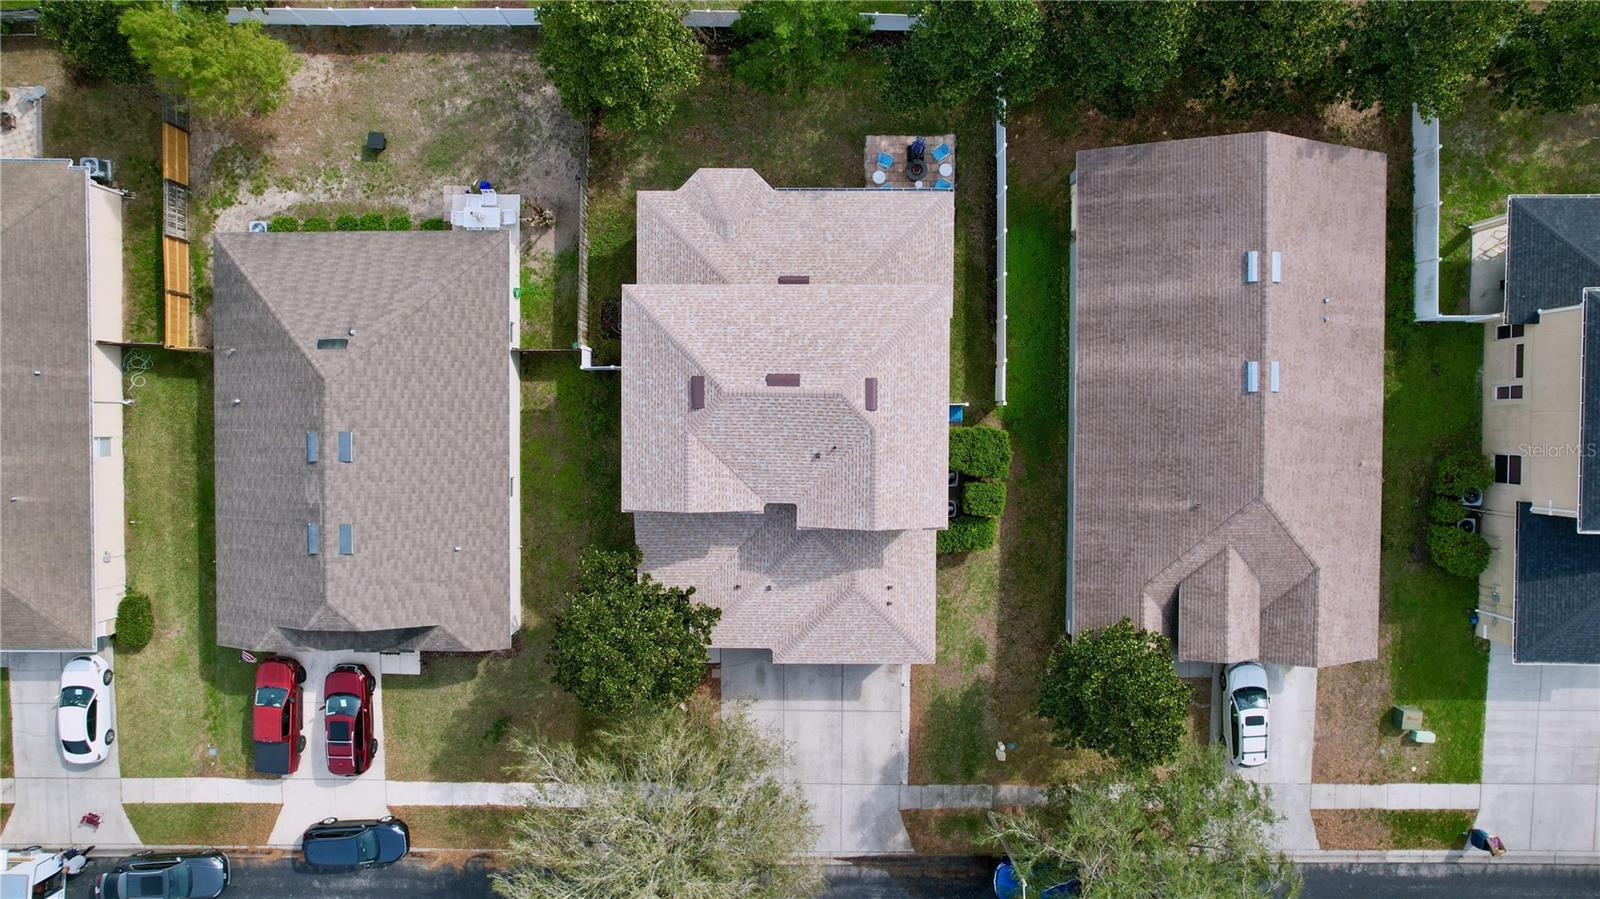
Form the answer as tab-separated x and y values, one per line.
842	473
1263	504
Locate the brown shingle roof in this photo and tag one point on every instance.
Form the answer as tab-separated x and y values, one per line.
423	386
1178	470
802	487
46	545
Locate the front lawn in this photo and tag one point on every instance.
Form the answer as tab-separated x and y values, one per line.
453	722
458	826
1366	828
182	701
5	723
203	823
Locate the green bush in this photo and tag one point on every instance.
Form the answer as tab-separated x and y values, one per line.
984	498
136	621
315	223
400	222
373	221
346	222
966	533
1462	471
980	452
1458	552
283	223
1446	510
433	225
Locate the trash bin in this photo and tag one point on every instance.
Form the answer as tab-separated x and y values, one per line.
1407	717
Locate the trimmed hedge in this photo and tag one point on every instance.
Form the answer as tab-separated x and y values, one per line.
400	222
315	223
1458	552
346	222
1446	510
373	221
136	622
433	225
283	223
966	533
986	499
980	452
1462	471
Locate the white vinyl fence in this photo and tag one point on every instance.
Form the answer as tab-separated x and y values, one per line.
1426	203
476	16
999	262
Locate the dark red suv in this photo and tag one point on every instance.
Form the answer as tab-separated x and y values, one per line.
348	711
278	715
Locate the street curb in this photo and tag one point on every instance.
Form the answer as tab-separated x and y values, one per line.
1442	856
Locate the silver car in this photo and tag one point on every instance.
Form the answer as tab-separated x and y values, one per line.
1244	684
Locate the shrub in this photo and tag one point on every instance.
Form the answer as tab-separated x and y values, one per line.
400	222
136	621
283	223
1446	510
980	452
984	498
346	222
315	223
1458	552
967	533
373	221
1115	691
434	224
1461	471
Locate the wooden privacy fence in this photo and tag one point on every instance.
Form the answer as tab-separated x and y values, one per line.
176	288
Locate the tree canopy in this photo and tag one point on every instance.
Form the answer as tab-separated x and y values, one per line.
1117	55
1550	61
672	805
625	62
983	50
627	643
1397	54
792	44
86	34
1196	829
222	69
1116	691
1252	57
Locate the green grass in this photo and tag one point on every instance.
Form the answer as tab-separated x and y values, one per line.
550	301
203	823
181	700
452	721
1490	153
1432	829
458	827
6	757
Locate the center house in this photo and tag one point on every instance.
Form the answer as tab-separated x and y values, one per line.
785	389
366	441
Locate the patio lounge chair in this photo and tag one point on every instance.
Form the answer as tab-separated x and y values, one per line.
885	161
941	153
942	184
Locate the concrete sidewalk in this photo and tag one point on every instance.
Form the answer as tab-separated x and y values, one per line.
1396	796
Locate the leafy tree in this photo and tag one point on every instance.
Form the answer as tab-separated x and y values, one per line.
627	62
1116	691
671	805
86	34
793	44
1194	830
1117	55
626	642
222	69
1400	53
985	50
1550	62
1253	57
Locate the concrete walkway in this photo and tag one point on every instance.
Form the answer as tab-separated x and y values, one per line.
1396	796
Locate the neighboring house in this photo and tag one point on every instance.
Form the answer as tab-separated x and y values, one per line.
1541	425
785	389
1227	409
367	431
62	570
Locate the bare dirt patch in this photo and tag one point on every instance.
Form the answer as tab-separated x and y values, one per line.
1366	828
949	831
1199	709
1356	740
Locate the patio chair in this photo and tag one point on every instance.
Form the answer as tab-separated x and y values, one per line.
885	161
942	184
941	153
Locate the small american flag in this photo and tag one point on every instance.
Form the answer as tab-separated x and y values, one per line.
243	654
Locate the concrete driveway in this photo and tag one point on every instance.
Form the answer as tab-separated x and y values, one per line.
846	733
1290	739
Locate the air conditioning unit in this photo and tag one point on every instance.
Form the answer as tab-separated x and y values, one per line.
99	169
258	227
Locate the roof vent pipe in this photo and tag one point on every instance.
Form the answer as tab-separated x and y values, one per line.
697	392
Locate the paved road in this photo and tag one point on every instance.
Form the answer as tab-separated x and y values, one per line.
276	878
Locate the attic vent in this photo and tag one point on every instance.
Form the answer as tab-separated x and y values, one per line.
313	539
347	449
1252	267
1252	377
346	540
1277	267
332	343
1272	376
794	279
783	380
697	392
311	446
872	394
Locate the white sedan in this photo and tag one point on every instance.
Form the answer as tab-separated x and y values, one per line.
83	715
1245	730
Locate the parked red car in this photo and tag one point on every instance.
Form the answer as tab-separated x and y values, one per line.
348	712
278	715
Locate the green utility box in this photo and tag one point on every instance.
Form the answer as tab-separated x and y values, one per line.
1407	717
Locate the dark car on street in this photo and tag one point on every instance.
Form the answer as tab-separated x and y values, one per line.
347	713
331	843
278	715
165	875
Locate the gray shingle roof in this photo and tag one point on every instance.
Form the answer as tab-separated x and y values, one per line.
1558	590
1589	416
424	388
811	488
1552	252
46	544
1174	461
